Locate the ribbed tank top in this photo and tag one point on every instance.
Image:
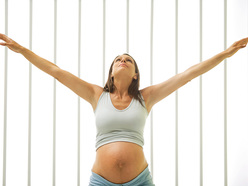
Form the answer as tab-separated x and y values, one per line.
114	125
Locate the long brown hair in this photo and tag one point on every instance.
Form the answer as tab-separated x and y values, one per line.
133	89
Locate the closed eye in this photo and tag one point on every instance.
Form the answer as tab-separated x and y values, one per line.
126	60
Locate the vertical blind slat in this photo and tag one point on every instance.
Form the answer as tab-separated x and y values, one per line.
54	94
176	94
5	97
151	82
79	67
201	155
225	95
104	42
30	92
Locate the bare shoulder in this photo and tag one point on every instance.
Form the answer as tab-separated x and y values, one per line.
97	93
155	93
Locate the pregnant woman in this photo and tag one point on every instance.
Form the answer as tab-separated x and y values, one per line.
121	110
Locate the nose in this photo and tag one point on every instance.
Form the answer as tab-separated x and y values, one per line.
123	60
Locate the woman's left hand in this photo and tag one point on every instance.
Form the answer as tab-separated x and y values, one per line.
236	46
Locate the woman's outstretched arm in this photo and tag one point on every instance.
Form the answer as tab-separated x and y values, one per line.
207	65
156	93
82	88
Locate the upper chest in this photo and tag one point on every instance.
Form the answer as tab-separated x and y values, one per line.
120	104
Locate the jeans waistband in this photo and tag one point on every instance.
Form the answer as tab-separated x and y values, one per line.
143	177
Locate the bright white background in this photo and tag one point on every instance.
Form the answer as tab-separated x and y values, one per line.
91	71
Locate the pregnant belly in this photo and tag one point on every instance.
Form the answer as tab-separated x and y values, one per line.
119	162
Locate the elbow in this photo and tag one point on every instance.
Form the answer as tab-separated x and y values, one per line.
187	76
56	72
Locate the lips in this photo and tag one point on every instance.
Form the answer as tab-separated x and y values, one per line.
123	65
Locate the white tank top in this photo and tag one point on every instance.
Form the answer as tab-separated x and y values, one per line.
119	125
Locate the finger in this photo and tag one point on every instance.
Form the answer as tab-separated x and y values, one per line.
244	41
4	37
4	44
241	43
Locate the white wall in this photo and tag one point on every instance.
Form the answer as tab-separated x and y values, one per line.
57	113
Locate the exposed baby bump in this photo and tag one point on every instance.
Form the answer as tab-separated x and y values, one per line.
120	155
119	161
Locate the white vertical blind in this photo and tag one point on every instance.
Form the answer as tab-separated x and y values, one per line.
164	111
127	26
66	100
200	96
30	92
213	95
188	118
237	91
91	71
79	105
151	82
18	97
3	92
42	95
55	93
115	31
176	93
165	38
103	42
225	97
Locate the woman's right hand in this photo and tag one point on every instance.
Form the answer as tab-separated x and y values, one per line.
11	44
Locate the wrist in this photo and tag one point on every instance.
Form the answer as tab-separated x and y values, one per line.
23	50
224	54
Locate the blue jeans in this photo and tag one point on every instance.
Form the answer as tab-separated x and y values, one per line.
143	179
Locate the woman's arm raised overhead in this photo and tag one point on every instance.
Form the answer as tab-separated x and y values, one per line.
81	88
156	93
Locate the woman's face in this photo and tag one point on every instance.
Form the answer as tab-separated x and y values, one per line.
124	66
